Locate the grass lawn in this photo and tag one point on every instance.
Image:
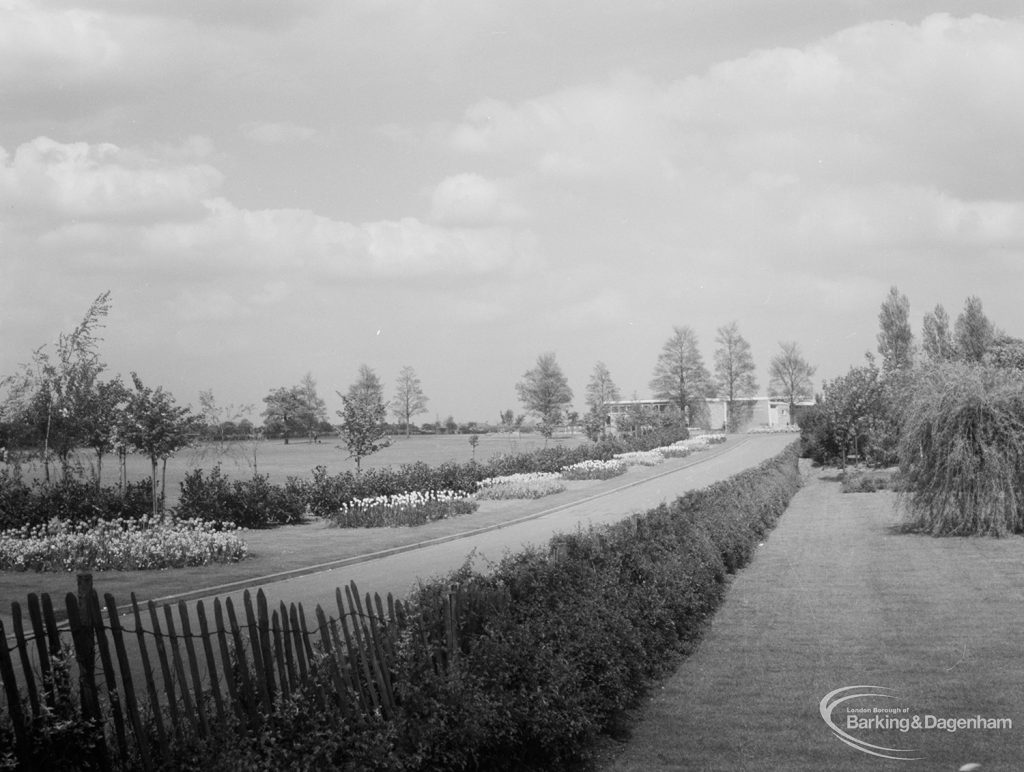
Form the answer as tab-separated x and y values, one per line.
836	597
298	458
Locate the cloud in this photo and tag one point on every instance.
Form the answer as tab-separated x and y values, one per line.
82	181
68	43
472	200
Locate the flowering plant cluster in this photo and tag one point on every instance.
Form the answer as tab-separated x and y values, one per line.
413	508
123	544
790	428
641	458
528	485
594	470
675	451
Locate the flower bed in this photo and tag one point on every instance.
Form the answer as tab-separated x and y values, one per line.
675	451
125	545
532	485
641	458
594	470
415	508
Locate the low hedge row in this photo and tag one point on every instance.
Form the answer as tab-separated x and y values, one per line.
257	503
554	643
68	500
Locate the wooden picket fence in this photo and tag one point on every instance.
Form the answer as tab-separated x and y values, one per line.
160	680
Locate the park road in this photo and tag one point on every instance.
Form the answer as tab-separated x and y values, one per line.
398	573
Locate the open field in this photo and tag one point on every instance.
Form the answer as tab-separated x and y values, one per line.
298	458
836	597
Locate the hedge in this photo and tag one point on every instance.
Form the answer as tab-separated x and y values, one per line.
555	643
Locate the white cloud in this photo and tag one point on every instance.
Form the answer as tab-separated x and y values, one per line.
472	200
100	182
58	44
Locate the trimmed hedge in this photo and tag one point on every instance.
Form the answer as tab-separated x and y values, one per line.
554	644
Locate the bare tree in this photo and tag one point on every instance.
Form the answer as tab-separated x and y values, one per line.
790	375
734	369
409	398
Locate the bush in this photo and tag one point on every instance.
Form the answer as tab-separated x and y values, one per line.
555	644
69	500
962	452
254	503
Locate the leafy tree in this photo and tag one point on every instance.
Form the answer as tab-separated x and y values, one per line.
1006	352
790	374
409	397
854	405
50	396
363	417
295	410
734	370
895	339
599	392
544	391
680	376
157	427
936	338
314	409
102	418
973	332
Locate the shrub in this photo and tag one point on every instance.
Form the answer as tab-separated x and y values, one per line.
870	480
962	452
254	503
68	499
555	644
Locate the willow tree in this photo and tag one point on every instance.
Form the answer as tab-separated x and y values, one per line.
962	451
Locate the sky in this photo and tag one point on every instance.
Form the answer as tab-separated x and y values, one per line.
270	188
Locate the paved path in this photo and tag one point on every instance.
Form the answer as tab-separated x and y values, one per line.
396	573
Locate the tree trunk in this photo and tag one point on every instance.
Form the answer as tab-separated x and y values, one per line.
163	484
152	460
99	471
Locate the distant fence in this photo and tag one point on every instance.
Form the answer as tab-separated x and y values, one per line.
154	681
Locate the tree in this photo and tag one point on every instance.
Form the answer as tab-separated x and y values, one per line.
790	375
409	397
1006	352
895	339
599	392
294	410
544	391
936	338
157	427
734	369
681	377
49	397
973	332
102	418
314	409
363	417
854	405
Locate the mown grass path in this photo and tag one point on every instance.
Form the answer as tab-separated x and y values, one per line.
836	597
